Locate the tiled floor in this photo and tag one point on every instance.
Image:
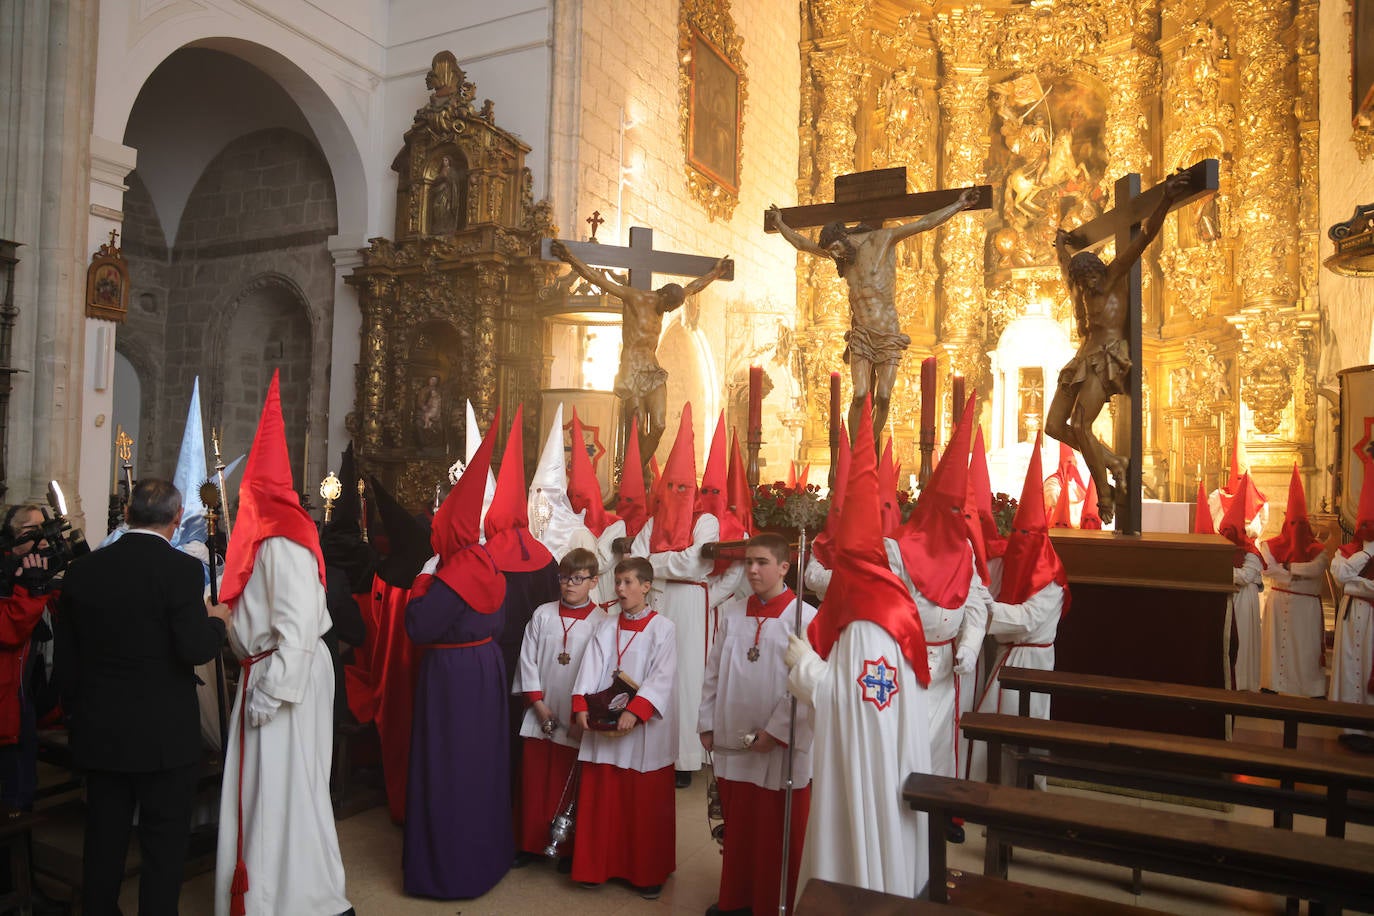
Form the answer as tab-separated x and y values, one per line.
372	856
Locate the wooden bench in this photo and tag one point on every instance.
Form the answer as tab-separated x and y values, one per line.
826	898
968	893
1291	711
1335	871
1179	764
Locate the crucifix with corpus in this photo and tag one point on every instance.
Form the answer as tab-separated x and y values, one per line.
641	383
1107	306
865	256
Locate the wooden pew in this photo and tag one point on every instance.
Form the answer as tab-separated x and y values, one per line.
1291	711
826	898
1179	764
967	893
1335	871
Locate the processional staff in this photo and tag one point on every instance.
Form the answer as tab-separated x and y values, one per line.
783	903
211	495
223	503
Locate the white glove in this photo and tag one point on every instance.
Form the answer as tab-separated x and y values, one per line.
797	649
966	660
262	707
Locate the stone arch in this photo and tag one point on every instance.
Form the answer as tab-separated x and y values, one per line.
136	351
692	376
264	325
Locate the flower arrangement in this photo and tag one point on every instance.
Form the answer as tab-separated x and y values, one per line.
778	505
1003	511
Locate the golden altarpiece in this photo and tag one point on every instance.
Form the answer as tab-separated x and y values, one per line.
1050	102
448	303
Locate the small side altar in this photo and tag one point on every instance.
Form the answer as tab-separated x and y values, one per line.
1152	606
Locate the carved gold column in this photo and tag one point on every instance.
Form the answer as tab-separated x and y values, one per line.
1267	174
489	282
964	40
381	291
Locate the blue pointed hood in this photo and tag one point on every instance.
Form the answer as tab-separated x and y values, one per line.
190	473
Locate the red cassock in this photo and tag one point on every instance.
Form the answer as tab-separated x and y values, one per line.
544	769
626	825
753	849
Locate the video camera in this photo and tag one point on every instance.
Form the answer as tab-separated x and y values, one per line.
55	539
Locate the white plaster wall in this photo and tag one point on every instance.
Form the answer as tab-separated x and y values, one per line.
628	55
1347	304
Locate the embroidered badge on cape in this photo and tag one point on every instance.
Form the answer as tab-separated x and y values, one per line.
878	682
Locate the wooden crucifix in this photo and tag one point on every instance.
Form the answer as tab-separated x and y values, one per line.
641	383
865	256
1107	306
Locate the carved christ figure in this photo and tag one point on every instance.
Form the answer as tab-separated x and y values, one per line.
867	260
1102	365
641	383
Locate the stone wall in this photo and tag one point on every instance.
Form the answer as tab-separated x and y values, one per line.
246	287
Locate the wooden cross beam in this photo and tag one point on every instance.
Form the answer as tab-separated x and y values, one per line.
640	258
1122	223
874	197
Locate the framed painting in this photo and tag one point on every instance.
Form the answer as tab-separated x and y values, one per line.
107	283
714	114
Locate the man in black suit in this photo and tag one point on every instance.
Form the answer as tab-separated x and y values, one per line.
132	625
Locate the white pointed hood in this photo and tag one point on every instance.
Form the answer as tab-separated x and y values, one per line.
552	519
471	442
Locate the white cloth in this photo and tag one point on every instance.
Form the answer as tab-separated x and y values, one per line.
1350	663
540	671
965	625
1293	627
1025	639
289	842
606	558
860	831
741	697
649	658
682	593
816	576
1245	607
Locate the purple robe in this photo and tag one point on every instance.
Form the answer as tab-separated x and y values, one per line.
459	839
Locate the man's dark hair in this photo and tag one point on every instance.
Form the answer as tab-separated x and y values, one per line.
774	543
643	570
671	295
154	503
839	232
1084	263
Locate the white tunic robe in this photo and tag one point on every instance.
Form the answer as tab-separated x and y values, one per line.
606	558
868	739
682	593
1350	666
289	842
1245	607
741	697
540	670
1025	639
649	658
1293	627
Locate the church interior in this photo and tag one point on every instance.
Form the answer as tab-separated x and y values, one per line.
361	195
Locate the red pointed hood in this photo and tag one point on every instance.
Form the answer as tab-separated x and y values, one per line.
988	542
863	586
1233	481
466	566
1232	526
1296	543
509	539
1068	468
934	540
631	502
677	491
268	504
1031	562
824	546
656	487
1062	518
741	497
1364	520
711	497
584	490
1202	518
1090	520
887	493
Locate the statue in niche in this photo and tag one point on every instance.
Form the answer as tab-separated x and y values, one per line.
428	418
641	384
445	199
1102	366
866	258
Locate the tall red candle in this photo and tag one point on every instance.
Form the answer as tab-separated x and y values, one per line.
928	398
755	401
836	418
957	402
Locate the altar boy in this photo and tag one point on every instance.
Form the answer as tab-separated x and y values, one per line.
746	720
625	806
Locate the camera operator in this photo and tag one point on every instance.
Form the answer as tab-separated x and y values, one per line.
131	627
24	594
